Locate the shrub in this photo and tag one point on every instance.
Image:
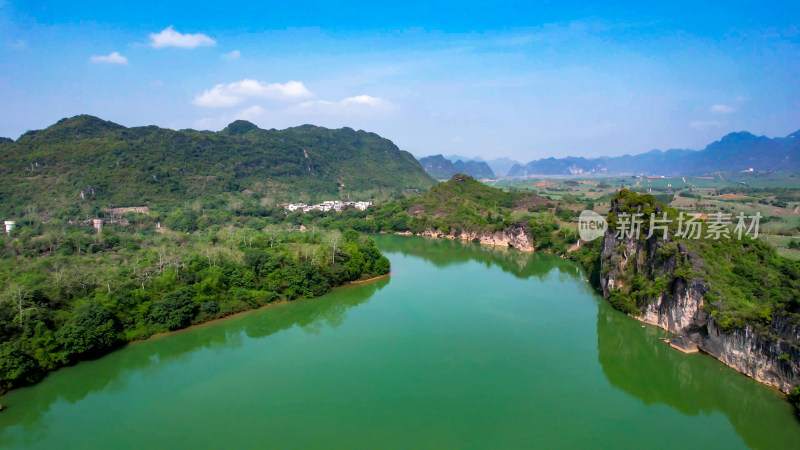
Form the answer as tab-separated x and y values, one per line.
174	310
16	367
210	307
93	330
794	399
381	266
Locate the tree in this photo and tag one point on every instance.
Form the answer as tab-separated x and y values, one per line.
19	298
261	262
333	238
16	367
381	266
93	330
174	310
794	399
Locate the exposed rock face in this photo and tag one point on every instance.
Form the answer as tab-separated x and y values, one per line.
516	237
773	361
680	312
771	357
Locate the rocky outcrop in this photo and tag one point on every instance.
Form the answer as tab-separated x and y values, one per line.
770	356
514	237
772	359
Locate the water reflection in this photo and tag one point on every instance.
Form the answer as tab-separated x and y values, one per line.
636	361
27	406
446	252
632	358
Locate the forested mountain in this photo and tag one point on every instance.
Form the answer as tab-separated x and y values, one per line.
84	159
440	167
734	152
458	206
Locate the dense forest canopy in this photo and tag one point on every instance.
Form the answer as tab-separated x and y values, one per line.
747	281
68	293
84	160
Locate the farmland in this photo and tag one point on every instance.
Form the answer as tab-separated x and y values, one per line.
773	195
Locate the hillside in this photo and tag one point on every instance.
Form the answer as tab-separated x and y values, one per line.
85	161
464	193
734	152
736	300
462	208
440	167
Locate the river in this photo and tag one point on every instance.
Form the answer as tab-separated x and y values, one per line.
462	346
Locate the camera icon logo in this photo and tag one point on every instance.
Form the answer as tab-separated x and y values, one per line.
591	225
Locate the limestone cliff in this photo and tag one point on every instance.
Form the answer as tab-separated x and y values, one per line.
770	356
514	237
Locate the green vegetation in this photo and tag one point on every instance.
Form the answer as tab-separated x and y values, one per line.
86	162
588	255
630	203
461	205
69	293
773	195
747	281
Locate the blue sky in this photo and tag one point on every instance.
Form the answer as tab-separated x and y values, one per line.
518	79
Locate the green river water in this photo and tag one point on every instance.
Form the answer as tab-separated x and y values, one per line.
463	346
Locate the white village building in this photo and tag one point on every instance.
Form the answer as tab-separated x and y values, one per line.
328	205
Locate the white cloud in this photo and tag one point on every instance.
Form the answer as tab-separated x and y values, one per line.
232	94
171	38
363	100
232	55
349	105
111	58
724	109
252	113
344	112
705	124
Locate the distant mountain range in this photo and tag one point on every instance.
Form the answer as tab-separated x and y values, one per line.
500	166
87	162
442	168
734	152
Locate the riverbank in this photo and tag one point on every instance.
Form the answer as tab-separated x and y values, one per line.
248	311
745	352
198	325
470	327
129	286
766	352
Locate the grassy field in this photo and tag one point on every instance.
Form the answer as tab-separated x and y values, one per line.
774	195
